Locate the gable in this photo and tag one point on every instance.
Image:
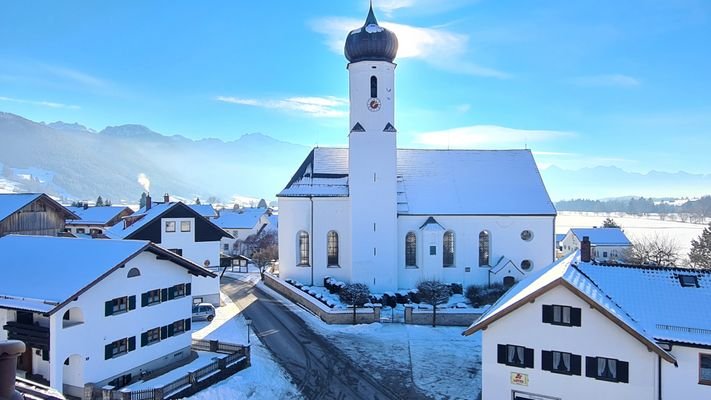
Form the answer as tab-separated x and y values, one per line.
205	230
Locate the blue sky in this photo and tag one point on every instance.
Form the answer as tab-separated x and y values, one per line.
582	83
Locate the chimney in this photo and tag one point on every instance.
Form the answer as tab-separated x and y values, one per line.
9	351
166	198
86	205
585	249
149	202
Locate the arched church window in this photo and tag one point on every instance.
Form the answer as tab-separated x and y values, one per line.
411	250
448	253
303	248
484	248
373	87
332	248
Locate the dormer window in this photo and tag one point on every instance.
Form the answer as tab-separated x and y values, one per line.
688	281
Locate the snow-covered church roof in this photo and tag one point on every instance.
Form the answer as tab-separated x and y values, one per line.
438	182
602	236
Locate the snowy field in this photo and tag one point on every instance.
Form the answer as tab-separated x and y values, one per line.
264	380
634	227
439	361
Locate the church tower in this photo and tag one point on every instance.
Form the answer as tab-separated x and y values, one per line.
372	155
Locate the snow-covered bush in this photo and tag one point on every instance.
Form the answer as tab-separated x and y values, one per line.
434	293
481	295
457	288
355	295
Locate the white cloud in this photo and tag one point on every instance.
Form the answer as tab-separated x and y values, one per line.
322	107
463	108
41	103
480	136
420	6
76	76
612	80
440	48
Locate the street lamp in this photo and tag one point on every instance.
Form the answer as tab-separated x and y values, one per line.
248	321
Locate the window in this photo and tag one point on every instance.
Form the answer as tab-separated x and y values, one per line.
81	230
448	251
411	249
133	272
688	281
184	226
526	265
561	315
150	297
373	87
177	251
180	290
705	369
119	305
225	247
150	336
604	254
119	347
560	362
526	235
304	248
515	356
176	328
332	248
607	369
170	226
484	245
433	250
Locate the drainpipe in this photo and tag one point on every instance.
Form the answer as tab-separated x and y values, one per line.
9	351
659	378
311	241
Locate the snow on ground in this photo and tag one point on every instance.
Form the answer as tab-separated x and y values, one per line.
204	358
264	380
439	361
634	227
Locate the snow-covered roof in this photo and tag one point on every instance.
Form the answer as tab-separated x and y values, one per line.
246	218
432	182
602	236
66	266
206	210
144	217
11	202
95	215
573	274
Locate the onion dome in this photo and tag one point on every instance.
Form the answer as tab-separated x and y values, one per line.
371	42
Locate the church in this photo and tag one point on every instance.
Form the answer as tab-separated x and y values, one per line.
387	217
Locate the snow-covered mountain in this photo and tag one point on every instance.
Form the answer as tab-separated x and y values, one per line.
73	161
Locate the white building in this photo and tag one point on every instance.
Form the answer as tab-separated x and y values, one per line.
388	217
94	311
95	220
579	330
179	228
241	224
608	244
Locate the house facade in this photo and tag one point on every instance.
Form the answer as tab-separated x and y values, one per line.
608	244
32	214
179	228
586	331
103	312
95	220
388	217
241	224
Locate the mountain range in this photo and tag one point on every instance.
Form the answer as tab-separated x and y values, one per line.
74	162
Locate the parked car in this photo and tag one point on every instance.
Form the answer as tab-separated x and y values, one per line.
203	311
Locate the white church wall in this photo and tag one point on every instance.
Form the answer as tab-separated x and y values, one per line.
294	216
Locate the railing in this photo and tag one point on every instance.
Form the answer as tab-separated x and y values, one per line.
175	385
684	329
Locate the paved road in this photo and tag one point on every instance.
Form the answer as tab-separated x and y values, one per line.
318	368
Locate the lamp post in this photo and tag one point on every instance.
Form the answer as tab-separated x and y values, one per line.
248	321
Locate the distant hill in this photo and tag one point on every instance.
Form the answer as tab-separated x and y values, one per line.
72	161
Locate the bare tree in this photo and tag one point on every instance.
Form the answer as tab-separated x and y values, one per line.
656	250
434	293
355	295
262	248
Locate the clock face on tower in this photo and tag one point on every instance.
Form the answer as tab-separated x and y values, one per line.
374	104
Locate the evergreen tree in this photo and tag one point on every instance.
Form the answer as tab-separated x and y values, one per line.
142	202
99	202
262	204
609	223
700	254
197	200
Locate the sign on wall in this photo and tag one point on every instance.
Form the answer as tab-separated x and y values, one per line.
518	378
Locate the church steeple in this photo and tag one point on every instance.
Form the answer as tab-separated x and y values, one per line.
371	42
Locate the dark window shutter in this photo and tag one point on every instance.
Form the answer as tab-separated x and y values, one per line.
591	367
132	343
163	332
187	324
108	308
547	314
45	354
188	289
144	339
131	302
546	360
171	293
144	299
170	330
623	371
575	317
163	295
575	362
501	351
528	358
108	351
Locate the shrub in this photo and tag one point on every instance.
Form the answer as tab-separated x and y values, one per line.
415	296
389	300
480	295
457	288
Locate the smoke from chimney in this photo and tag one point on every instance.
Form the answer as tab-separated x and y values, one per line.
144	182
